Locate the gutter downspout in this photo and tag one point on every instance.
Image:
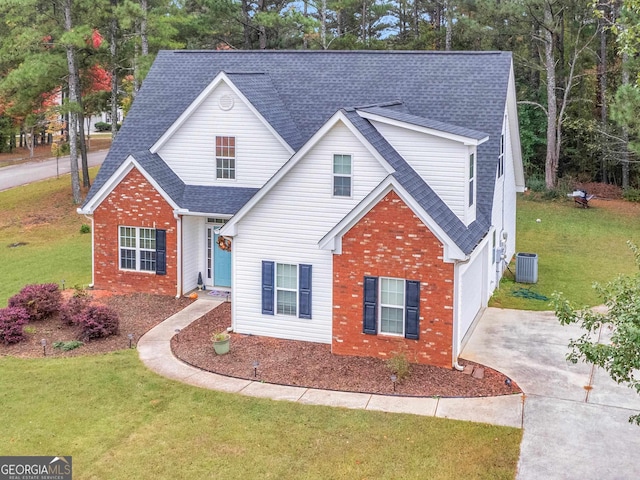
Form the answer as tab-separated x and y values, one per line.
178	218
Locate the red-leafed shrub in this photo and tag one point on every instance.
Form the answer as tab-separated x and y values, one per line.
70	311
12	322
39	300
98	321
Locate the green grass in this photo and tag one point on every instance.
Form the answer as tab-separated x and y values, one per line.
42	215
575	248
118	420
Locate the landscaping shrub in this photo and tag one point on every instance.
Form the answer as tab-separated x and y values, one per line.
84	228
398	364
102	127
12	322
70	311
98	321
67	346
39	300
631	195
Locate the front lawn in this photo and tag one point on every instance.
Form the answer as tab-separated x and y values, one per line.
40	239
575	248
118	420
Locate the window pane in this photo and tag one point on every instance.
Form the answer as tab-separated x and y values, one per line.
392	291
391	320
127	237
471	165
148	261
148	238
286	302
342	164
287	276
127	259
341	186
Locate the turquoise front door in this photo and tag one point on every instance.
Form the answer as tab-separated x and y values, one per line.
221	264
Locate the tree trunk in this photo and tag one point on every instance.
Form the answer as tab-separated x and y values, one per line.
73	115
323	25
262	30
551	162
246	29
113	36
449	24
625	132
602	85
144	39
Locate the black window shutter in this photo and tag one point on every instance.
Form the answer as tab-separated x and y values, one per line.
304	291
412	310
161	252
370	317
268	272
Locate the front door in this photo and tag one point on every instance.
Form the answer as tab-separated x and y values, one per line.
218	260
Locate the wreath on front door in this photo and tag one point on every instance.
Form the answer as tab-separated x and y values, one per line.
224	243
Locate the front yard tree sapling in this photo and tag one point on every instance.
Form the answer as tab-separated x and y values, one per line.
620	355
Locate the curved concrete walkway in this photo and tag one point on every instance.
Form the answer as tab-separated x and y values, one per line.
155	352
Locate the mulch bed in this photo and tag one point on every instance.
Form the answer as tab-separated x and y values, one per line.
312	365
138	314
283	362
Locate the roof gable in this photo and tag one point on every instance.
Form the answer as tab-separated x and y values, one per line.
278	121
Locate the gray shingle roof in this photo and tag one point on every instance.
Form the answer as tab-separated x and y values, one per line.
424	122
298	91
196	198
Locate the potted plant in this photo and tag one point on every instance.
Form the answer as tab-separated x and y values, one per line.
221	342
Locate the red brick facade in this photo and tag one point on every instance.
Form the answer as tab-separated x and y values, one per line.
134	202
391	241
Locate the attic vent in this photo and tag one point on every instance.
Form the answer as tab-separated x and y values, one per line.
226	102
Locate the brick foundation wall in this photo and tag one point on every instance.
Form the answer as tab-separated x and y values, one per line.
390	241
133	203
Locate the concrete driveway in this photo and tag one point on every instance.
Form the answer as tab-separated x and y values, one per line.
570	432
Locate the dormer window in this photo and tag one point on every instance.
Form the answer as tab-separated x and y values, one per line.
225	158
342	175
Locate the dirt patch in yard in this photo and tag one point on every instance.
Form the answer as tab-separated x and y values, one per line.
313	365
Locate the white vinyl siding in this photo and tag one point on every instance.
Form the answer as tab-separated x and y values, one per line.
472	288
191	150
286	226
441	162
193	250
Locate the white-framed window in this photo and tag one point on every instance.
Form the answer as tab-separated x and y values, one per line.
392	306
137	249
501	157
286	289
472	169
225	158
342	170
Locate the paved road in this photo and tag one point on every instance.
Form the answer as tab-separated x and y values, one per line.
15	175
570	432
